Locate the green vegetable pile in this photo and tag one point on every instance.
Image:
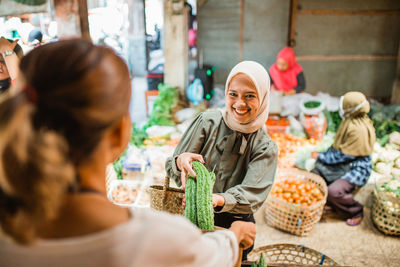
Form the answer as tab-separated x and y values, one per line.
198	197
161	112
386	119
160	115
261	262
333	120
393	186
312	104
118	165
138	135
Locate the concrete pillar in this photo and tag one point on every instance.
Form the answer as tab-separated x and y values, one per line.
136	38
176	43
67	17
396	86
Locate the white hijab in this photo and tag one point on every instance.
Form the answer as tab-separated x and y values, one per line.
261	80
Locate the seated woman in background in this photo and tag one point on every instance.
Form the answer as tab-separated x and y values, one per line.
66	121
10	55
347	164
286	74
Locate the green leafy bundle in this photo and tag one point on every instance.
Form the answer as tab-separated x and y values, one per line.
386	119
161	112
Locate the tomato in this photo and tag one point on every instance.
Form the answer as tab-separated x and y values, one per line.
301	186
308	187
293	188
315	192
297	191
287	195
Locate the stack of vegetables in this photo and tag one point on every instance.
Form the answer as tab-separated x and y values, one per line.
288	145
391	187
297	191
386	159
296	201
198	197
161	113
277	124
386	120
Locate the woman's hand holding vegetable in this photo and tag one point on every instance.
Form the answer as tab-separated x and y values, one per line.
245	233
184	164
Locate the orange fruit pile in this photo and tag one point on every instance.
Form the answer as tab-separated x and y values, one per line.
297	191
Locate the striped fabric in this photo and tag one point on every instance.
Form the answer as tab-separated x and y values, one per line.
361	166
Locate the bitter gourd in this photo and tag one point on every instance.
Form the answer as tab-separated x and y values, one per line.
205	183
190	199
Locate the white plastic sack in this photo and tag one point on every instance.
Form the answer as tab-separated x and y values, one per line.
275	102
156	130
185	114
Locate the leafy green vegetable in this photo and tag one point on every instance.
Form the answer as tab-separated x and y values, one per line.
333	120
138	136
312	104
386	119
161	112
118	166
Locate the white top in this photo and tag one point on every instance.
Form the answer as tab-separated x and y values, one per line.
148	239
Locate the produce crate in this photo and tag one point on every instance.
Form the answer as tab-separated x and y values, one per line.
299	255
276	124
385	211
291	217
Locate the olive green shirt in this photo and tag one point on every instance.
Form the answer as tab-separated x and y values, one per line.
244	180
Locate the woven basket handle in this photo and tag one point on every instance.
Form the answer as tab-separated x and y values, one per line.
165	189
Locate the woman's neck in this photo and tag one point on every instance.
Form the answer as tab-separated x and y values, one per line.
85	213
93	177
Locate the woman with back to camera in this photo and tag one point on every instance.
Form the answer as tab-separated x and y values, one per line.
66	121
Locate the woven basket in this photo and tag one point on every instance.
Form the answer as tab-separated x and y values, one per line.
291	254
165	198
291	217
385	211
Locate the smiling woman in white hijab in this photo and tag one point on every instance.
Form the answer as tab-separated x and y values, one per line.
233	143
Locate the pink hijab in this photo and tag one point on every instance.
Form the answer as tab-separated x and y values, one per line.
287	80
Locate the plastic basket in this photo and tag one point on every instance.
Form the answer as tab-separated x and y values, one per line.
111	175
293	218
292	254
385	211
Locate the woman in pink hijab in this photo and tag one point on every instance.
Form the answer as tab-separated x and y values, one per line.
286	74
